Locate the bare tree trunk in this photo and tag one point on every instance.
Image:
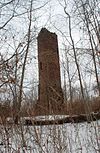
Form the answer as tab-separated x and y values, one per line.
75	56
24	64
91	43
69	79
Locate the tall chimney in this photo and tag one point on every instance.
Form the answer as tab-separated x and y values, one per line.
50	92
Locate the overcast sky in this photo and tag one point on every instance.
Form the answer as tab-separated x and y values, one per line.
52	17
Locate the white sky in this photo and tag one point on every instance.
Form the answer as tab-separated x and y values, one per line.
52	17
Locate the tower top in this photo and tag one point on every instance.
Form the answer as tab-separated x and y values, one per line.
46	32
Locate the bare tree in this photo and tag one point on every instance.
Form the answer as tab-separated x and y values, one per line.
87	13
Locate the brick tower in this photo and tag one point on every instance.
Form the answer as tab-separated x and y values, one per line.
50	92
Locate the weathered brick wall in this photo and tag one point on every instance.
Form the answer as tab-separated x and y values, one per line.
50	92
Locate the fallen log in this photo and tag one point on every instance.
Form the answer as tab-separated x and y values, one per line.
71	119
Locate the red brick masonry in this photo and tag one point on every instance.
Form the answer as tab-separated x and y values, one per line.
50	92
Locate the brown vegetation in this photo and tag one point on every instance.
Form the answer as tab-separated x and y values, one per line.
74	108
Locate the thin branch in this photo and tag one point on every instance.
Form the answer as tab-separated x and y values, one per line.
7	22
4	4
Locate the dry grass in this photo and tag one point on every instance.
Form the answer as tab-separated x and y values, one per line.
78	107
70	108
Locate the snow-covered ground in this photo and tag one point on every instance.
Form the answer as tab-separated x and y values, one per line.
66	138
